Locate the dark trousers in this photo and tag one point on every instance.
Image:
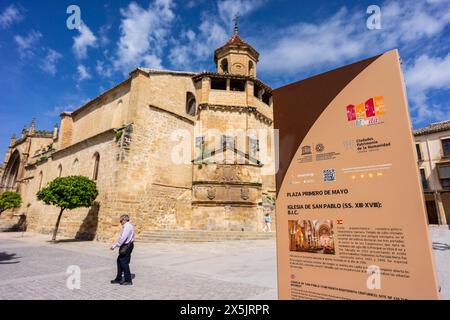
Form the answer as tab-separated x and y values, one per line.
123	264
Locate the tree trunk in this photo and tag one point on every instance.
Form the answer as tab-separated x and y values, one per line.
55	231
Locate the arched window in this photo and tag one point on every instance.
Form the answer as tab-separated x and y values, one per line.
250	68
191	104
75	166
96	164
59	170
224	65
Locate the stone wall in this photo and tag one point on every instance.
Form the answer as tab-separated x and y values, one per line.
228	218
158	188
93	133
146	170
105	112
226	97
83	222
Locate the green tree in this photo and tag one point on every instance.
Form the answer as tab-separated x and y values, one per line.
9	200
68	193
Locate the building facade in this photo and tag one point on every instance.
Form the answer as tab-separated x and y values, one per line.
433	157
175	150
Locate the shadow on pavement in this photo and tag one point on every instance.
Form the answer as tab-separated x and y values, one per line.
440	246
68	241
4	256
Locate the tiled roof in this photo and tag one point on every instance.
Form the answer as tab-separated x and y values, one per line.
236	39
433	128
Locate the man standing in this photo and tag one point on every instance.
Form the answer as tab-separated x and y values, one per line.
125	245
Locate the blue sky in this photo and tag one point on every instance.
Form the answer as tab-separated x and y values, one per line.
45	68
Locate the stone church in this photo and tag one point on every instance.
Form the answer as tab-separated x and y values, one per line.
175	150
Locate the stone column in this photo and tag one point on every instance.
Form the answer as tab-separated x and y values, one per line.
206	87
440	208
249	90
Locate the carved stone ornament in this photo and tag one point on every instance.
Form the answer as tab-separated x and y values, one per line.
196	192
211	193
245	193
229	173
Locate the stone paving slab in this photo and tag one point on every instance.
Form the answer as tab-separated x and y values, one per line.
37	270
440	237
33	268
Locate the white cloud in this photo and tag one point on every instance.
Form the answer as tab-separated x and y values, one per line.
405	21
193	49
67	106
305	48
152	61
57	110
190	35
84	40
103	34
49	62
10	15
190	4
228	9
102	69
144	33
179	56
27	44
425	75
343	36
304	45
29	48
83	73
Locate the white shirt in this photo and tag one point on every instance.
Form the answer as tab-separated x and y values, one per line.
126	236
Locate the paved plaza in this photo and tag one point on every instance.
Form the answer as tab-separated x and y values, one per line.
33	268
36	269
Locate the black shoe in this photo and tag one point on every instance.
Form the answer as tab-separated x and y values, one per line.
116	281
126	283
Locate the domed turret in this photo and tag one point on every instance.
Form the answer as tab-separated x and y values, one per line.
236	56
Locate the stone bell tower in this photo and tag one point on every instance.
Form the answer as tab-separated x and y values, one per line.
235	113
236	56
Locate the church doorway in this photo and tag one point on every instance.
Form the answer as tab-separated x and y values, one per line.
10	176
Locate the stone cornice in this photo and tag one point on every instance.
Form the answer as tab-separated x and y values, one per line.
213	203
37	134
86	142
249	109
173	114
37	162
149	72
257	185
